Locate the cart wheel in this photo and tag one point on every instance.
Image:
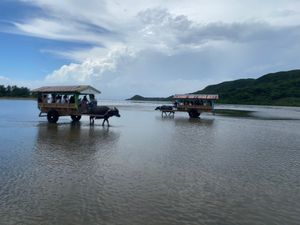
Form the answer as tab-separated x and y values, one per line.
52	116
194	113
75	118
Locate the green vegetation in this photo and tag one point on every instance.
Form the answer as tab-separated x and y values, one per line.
141	98
281	88
14	91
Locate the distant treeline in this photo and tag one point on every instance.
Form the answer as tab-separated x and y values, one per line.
14	91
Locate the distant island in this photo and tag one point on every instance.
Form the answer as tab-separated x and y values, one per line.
141	98
281	88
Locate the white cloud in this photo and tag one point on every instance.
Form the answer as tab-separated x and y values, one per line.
4	80
91	68
66	30
160	48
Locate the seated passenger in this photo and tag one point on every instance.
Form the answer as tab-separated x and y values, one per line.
175	104
65	100
49	99
72	99
53	98
84	104
58	99
45	98
93	101
85	100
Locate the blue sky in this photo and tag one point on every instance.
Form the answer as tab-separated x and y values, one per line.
152	48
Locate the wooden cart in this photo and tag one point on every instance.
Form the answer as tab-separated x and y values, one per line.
73	101
194	105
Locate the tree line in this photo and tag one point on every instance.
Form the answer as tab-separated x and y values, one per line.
14	91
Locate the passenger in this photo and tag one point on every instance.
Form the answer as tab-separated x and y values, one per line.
65	99
72	99
175	104
85	100
58	99
93	101
84	104
45	98
49	100
53	98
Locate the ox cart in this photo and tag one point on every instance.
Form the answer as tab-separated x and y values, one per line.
193	104
73	101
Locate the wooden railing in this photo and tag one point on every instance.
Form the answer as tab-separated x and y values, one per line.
198	107
58	105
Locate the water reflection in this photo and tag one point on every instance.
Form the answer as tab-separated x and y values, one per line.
74	137
207	122
185	121
62	181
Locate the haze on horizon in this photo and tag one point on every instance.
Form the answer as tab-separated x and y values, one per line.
151	48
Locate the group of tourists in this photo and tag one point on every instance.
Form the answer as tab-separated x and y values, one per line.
198	102
83	103
53	98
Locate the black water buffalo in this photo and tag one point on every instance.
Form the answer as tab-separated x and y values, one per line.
103	112
164	108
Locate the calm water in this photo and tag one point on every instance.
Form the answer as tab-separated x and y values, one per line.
145	169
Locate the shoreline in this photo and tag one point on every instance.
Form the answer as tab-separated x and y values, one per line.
217	103
158	101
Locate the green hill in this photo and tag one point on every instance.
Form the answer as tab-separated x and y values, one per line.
281	88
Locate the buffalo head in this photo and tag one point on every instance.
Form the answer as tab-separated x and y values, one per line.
115	112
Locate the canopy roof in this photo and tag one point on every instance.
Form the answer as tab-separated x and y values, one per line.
191	97
79	89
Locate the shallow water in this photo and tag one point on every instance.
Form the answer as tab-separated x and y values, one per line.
145	169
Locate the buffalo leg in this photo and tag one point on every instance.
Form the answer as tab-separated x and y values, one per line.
105	120
92	120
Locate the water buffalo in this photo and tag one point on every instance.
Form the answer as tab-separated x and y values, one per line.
103	112
164	108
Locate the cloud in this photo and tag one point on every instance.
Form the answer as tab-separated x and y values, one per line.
57	29
177	56
91	68
5	80
161	48
175	31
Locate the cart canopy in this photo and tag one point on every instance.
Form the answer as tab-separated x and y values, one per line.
79	89
195	97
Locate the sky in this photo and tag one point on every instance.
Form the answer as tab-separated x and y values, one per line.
152	48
